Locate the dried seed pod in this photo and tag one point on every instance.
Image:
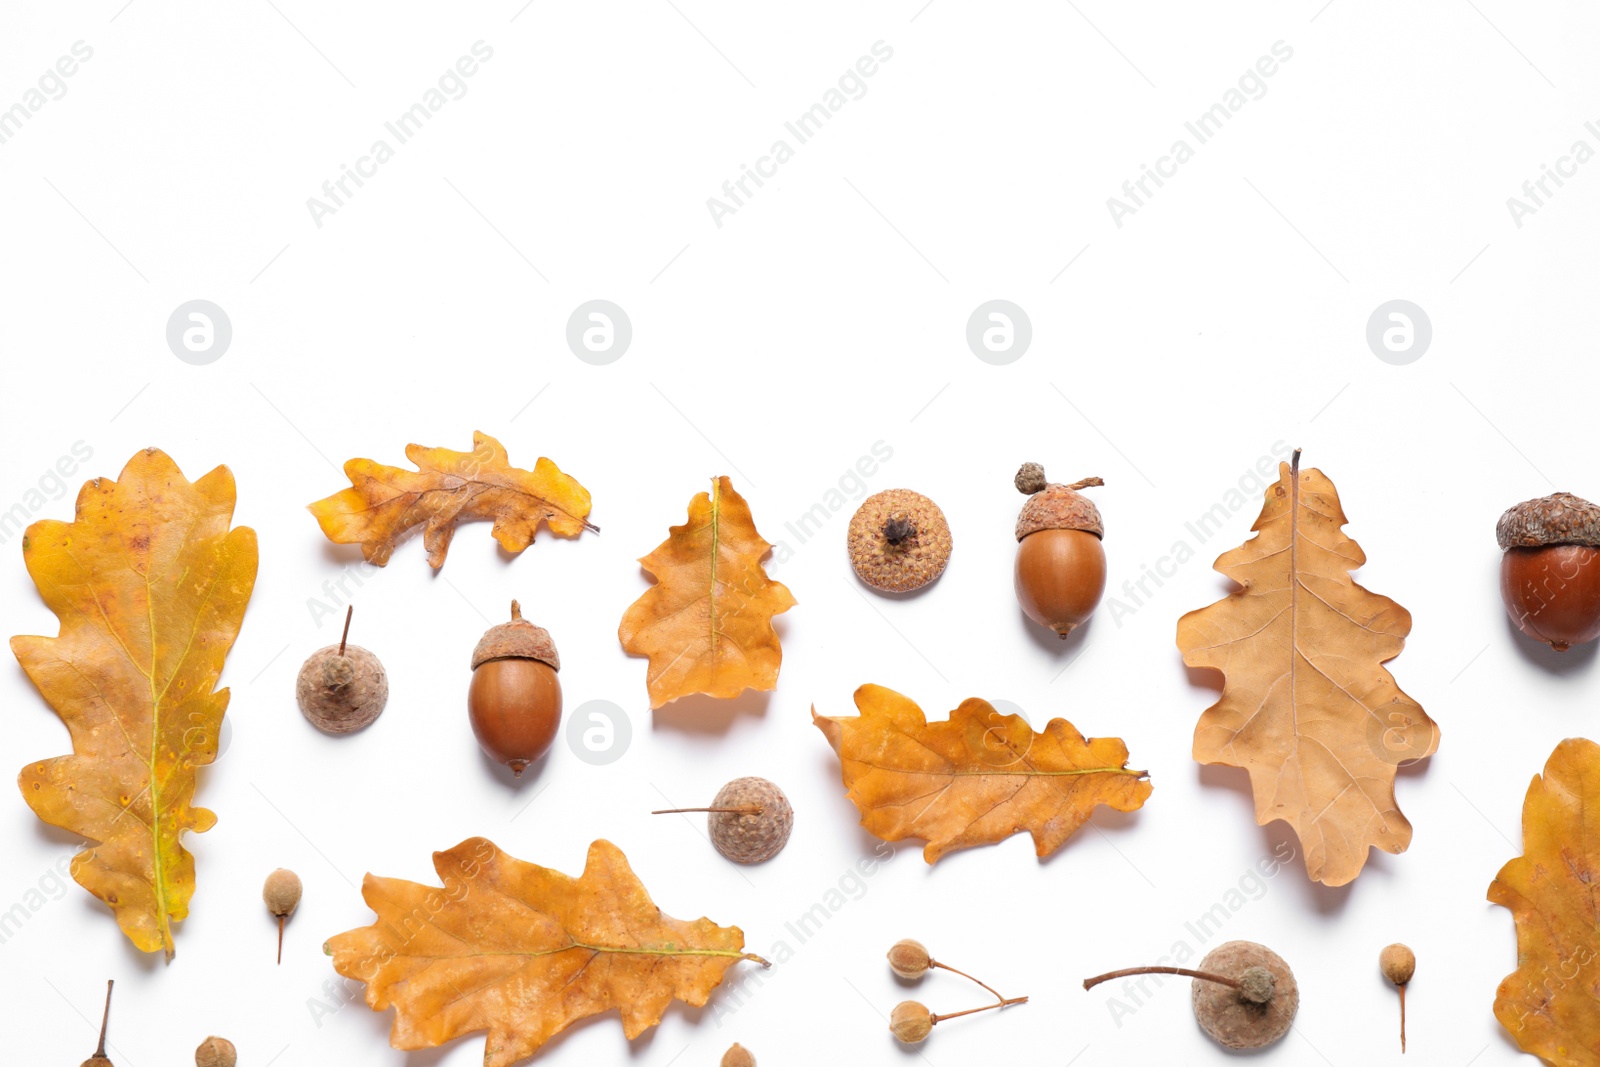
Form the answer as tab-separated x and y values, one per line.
738	1056
749	820
898	541
216	1052
282	895
1398	963
909	959
1548	580
1061	565
514	702
341	688
911	1022
1244	995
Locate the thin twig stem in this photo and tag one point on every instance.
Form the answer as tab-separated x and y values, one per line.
349	611
1233	983
936	1019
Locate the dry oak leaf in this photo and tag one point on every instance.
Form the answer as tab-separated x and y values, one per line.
976	778
150	585
384	502
707	622
523	951
1551	1002
1307	707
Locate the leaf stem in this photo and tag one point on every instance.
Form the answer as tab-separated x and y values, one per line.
937	1019
1233	983
1294	464
349	611
105	1019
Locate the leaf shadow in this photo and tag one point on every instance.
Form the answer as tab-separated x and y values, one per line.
702	714
1326	900
1574	661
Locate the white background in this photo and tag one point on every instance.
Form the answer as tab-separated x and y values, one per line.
827	314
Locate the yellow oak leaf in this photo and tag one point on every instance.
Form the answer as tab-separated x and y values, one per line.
706	624
976	778
523	951
1307	707
1551	1002
150	585
447	487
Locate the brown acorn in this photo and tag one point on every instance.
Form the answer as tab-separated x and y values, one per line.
898	541
515	698
341	688
1548	580
1061	566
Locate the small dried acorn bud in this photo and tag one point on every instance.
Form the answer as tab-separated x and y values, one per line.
341	688
514	702
749	820
898	540
909	959
1398	963
1061	564
281	892
1244	995
216	1052
910	1022
738	1056
1548	578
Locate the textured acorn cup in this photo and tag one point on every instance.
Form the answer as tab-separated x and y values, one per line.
1061	565
749	820
515	698
99	1059
898	541
1244	996
216	1052
281	892
738	1056
1548	580
341	688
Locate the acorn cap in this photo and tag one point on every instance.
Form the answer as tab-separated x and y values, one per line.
1234	1018
517	639
898	541
1557	519
1055	507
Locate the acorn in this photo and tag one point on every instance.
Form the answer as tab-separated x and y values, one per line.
1061	566
898	541
514	702
341	688
1548	580
749	822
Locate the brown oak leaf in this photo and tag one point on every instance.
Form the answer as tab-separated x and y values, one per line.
150	585
976	778
1551	1002
447	487
707	622
523	951
1307	707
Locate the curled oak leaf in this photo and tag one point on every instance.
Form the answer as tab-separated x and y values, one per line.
1549	1002
1307	707
707	622
150	585
447	487
523	951
976	778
